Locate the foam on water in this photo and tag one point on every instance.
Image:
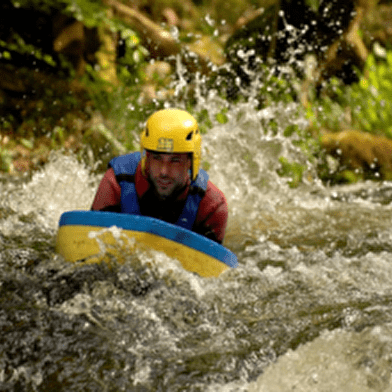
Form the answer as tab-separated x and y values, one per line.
338	361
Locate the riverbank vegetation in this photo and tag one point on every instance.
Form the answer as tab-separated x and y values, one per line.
82	75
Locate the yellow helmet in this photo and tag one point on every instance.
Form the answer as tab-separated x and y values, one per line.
172	131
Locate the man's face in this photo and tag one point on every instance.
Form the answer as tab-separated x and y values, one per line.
168	172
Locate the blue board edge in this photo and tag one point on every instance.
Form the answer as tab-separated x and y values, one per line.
153	226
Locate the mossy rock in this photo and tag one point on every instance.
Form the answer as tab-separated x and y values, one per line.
360	152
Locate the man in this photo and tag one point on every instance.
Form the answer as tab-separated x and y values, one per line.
164	181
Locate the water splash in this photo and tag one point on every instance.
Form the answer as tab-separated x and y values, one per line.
63	184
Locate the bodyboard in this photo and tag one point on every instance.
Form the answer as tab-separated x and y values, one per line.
88	235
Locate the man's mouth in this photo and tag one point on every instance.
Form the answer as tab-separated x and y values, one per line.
164	183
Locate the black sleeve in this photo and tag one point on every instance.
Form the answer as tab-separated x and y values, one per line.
208	234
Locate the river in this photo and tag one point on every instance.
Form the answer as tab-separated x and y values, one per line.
308	309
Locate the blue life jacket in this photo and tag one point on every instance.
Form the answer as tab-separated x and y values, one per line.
125	168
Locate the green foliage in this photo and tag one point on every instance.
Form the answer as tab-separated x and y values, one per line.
281	88
370	99
129	69
18	45
43	5
228	10
203	119
365	105
348	176
57	136
93	14
293	170
309	148
90	12
5	159
314	4
221	117
113	102
121	114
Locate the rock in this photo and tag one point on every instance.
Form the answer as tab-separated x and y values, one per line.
377	26
361	152
157	71
9	82
157	76
170	16
74	41
207	48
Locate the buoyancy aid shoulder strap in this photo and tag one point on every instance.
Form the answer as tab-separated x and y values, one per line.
124	169
125	166
196	193
199	186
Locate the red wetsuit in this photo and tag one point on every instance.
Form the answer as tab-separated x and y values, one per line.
211	218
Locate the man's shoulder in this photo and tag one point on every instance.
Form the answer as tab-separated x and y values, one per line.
213	195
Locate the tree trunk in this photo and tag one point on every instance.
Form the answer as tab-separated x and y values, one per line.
158	41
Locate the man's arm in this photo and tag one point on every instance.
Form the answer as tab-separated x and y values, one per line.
108	196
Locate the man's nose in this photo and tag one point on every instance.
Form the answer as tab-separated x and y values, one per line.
164	169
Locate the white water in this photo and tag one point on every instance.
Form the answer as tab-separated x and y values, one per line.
308	309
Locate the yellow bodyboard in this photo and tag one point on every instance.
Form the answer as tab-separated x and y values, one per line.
77	240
